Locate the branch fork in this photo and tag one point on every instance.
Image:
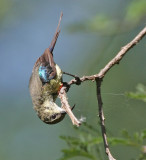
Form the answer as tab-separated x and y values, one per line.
98	78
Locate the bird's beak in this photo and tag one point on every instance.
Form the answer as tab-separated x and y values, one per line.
63	112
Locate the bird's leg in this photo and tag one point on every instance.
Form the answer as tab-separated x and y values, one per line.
66	85
76	77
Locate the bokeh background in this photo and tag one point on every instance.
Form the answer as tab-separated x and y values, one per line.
92	32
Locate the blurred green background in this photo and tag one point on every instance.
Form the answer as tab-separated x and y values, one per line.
92	32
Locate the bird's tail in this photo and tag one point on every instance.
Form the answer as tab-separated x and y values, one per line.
52	45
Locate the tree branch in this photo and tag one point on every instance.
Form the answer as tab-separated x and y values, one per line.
102	119
67	108
114	61
98	77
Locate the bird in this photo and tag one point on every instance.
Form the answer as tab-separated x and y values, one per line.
45	84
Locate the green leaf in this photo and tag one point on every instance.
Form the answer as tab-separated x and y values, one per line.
143	134
72	141
136	11
89	146
99	23
140	93
125	134
76	153
5	7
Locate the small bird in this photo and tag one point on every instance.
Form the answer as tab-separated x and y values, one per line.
45	83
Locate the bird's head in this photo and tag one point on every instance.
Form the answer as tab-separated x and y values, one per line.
51	114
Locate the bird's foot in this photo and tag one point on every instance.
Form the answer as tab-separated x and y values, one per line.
78	81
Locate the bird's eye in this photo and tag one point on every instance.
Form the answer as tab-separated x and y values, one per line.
54	116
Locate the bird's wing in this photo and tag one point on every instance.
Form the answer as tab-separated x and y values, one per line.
47	69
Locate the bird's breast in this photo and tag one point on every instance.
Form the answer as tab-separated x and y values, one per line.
53	86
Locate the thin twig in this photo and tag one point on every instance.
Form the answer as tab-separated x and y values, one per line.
114	61
102	119
67	108
98	77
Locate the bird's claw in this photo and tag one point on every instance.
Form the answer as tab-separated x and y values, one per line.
73	107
